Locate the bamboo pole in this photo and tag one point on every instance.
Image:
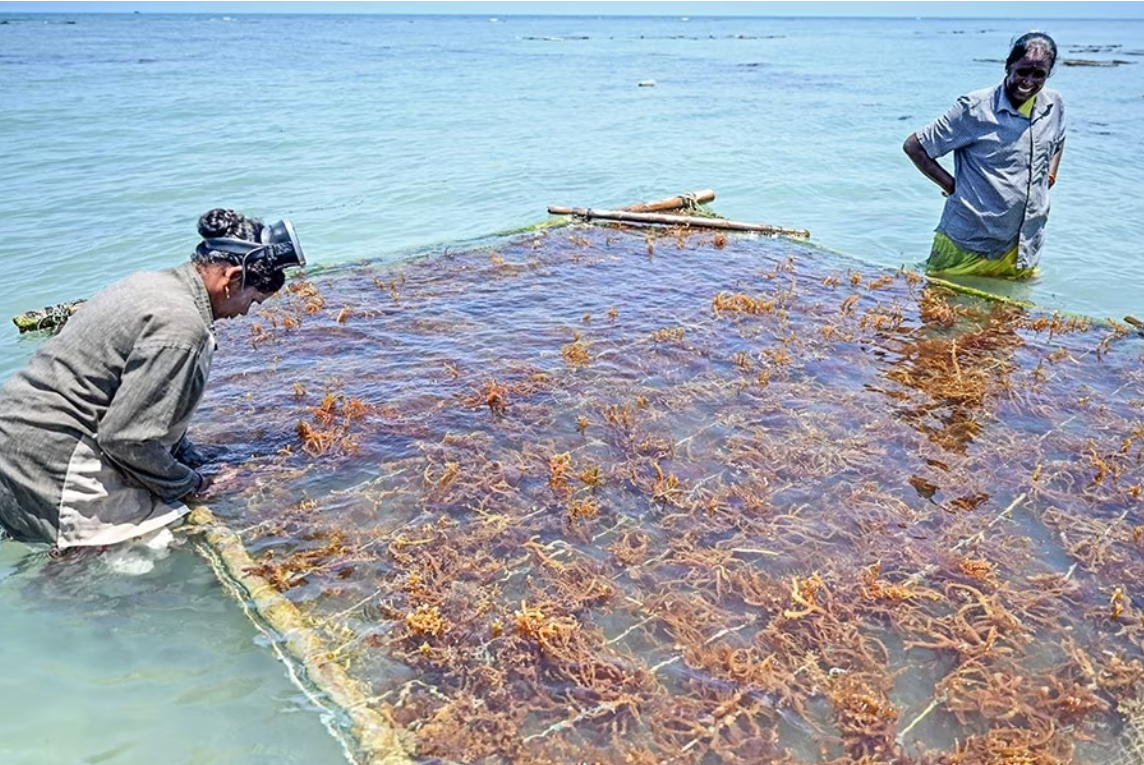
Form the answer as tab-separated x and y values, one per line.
374	736
677	220
694	199
50	318
973	292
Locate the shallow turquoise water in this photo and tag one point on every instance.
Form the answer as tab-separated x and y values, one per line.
98	666
385	136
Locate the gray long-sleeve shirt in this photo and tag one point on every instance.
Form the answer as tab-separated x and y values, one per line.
1001	169
88	426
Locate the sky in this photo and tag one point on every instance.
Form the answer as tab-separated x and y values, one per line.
836	8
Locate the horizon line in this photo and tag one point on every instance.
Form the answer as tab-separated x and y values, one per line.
681	16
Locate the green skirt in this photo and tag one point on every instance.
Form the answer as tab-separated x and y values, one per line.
947	259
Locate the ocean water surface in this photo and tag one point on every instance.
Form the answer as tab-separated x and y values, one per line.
386	136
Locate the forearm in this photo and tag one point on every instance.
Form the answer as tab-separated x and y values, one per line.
1054	165
151	465
928	166
157	392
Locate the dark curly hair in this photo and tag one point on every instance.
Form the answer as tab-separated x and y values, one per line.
222	223
1023	44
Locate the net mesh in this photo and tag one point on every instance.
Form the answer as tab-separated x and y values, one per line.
626	496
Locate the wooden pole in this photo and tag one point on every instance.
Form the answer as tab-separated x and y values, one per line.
305	647
677	202
677	220
51	318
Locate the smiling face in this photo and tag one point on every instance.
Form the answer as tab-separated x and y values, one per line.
1027	75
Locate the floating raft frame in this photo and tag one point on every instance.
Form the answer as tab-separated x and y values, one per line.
370	737
375	738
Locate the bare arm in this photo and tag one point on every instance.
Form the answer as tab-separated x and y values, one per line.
929	166
1056	163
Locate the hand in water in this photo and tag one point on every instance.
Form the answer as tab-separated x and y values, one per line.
216	477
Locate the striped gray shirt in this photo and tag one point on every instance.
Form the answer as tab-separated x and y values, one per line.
87	428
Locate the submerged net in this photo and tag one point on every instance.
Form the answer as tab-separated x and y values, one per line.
624	496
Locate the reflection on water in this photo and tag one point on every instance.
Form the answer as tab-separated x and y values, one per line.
634	496
959	361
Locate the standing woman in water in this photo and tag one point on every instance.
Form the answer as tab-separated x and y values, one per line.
1007	143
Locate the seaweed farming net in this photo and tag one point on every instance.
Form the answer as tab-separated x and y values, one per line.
627	496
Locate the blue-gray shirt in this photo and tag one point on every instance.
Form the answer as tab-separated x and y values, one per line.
1001	162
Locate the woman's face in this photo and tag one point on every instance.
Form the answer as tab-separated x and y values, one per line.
240	301
1026	77
230	299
